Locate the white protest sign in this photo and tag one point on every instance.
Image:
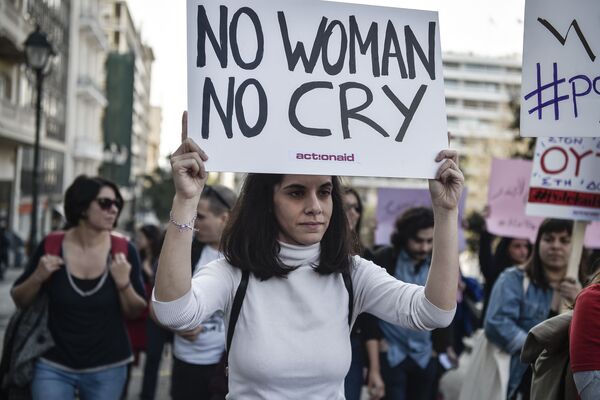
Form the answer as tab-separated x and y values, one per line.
565	180
507	196
560	91
315	87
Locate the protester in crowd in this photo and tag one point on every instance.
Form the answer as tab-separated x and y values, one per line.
509	251
197	351
4	248
585	338
149	241
524	296
91	289
408	365
587	269
365	334
290	234
547	345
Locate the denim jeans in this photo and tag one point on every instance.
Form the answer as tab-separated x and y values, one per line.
588	384
354	380
407	380
52	383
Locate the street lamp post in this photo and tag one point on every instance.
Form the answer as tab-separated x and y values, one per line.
38	50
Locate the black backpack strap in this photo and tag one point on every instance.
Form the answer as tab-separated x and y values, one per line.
348	284
238	300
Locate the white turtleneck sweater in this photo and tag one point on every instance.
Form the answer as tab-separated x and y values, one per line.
292	339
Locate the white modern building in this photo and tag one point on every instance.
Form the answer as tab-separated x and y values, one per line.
18	19
480	97
153	140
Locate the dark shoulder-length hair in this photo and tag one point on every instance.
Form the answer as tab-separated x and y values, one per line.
409	223
533	267
249	240
502	258
357	244
154	236
80	195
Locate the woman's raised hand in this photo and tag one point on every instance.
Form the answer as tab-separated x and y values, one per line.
447	186
187	166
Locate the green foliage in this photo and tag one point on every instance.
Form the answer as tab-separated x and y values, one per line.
158	193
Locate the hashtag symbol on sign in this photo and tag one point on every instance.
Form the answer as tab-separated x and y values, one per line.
553	85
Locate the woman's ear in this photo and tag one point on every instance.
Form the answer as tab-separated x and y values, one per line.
224	217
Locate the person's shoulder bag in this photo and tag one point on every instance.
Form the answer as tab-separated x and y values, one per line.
484	373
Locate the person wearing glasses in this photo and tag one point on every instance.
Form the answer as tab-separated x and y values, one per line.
289	234
90	291
365	334
197	351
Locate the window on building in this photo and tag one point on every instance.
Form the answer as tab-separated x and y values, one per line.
452	121
482	86
482	67
471	104
50	169
5	85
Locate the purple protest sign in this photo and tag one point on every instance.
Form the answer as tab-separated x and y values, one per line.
592	236
507	196
392	202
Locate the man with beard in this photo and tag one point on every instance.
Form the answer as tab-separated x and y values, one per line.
407	365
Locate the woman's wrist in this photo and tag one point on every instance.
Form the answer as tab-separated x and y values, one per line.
124	287
442	212
38	278
184	208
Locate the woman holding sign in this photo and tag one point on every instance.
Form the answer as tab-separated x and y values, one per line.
288	240
526	295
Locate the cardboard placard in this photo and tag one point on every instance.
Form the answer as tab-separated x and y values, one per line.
560	91
315	87
507	197
565	180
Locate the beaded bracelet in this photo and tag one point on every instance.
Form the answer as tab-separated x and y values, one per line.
184	226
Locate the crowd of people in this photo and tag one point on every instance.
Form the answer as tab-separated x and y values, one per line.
316	313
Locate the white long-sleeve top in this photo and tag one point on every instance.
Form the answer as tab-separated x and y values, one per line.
292	339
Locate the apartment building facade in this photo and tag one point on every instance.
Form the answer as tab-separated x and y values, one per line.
18	18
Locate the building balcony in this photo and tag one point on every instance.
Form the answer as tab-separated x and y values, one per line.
501	116
17	123
496	76
465	93
13	23
88	90
87	149
90	27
